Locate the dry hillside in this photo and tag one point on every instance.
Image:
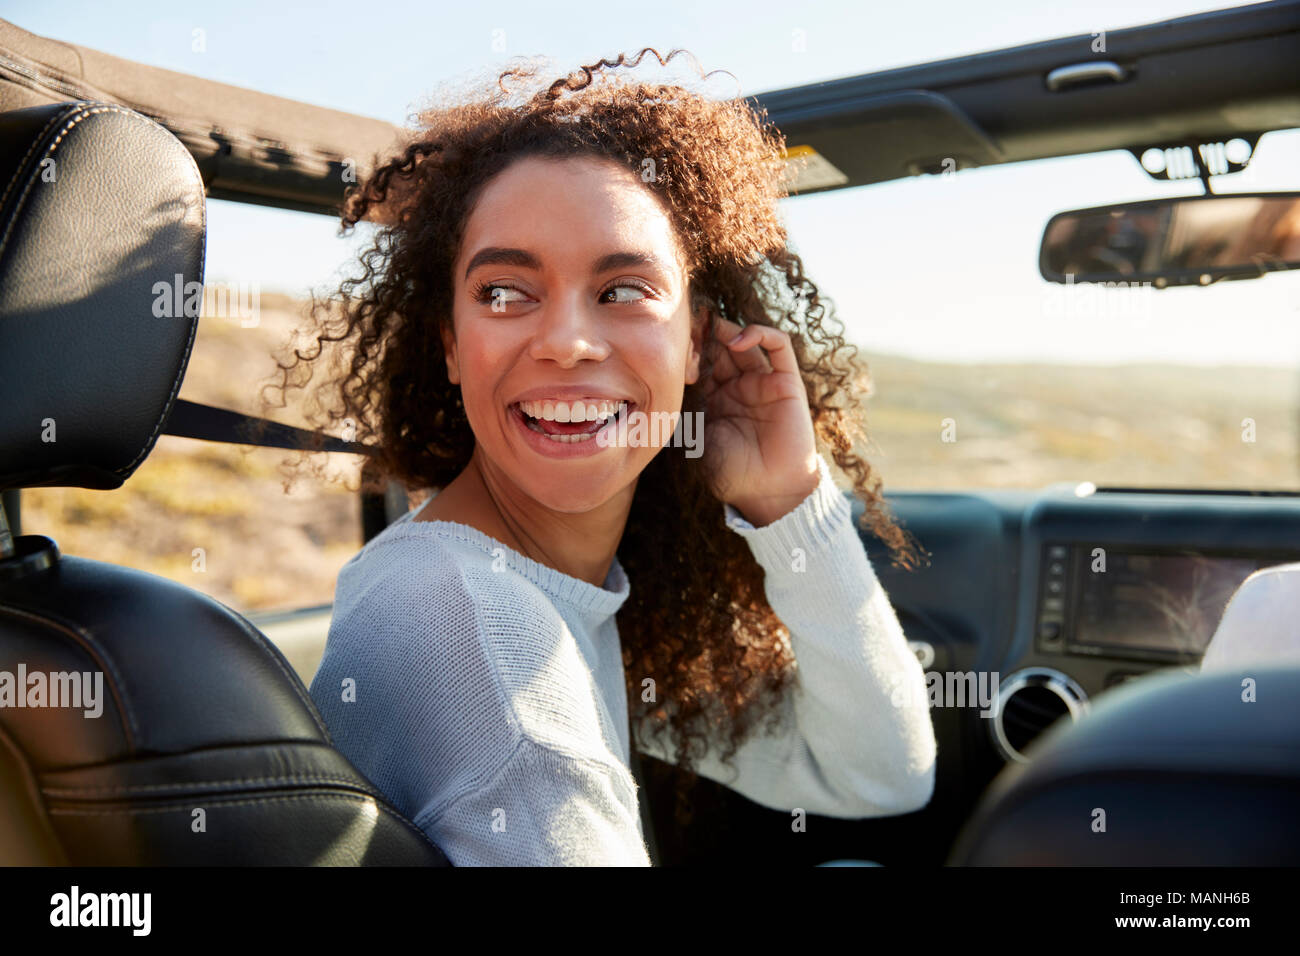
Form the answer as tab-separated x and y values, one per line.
1014	426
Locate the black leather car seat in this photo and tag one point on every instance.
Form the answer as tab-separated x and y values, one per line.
208	749
1170	769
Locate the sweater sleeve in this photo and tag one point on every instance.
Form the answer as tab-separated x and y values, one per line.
857	740
544	807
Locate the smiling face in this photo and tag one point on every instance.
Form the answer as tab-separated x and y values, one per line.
571	309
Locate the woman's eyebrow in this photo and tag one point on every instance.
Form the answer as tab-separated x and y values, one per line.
627	260
498	255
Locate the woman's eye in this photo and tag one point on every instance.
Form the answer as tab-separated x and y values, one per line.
643	292
497	295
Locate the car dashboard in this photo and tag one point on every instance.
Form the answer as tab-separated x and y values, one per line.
1031	604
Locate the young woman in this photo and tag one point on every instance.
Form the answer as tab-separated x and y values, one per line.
558	272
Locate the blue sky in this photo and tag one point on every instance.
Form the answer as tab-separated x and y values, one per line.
941	270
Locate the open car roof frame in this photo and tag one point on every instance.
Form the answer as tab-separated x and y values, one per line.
1210	76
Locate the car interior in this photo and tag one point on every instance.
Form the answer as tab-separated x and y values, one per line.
1096	698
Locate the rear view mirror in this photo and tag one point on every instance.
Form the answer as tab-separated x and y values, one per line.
1187	241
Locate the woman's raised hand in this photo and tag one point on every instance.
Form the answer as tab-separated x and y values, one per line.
758	432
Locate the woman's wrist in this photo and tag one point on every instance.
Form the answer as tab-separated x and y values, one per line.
822	522
761	511
764	511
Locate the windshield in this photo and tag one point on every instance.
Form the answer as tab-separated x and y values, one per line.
985	375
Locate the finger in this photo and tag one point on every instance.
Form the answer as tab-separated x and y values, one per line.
741	346
724	365
726	330
751	360
774	343
744	352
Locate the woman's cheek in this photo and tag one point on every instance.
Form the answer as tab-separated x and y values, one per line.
664	365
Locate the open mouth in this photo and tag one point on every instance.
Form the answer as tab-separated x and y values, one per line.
571	422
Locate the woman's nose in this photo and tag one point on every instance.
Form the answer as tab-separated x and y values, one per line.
567	333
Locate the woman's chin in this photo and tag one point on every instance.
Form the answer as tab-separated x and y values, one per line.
572	497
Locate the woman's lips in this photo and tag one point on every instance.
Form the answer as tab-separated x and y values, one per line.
551	426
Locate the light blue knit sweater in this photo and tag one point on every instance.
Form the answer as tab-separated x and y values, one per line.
483	692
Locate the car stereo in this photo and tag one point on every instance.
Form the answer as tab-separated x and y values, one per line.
1139	603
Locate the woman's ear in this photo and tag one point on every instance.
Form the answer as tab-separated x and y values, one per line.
699	325
449	352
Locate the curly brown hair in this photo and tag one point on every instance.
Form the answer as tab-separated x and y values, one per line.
697	622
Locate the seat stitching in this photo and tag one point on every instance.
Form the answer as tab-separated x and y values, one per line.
81	637
76	119
58	116
258	801
194	325
192	785
291	677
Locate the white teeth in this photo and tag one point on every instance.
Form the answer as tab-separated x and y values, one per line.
579	411
566	439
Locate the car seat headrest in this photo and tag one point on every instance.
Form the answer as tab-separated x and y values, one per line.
102	225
